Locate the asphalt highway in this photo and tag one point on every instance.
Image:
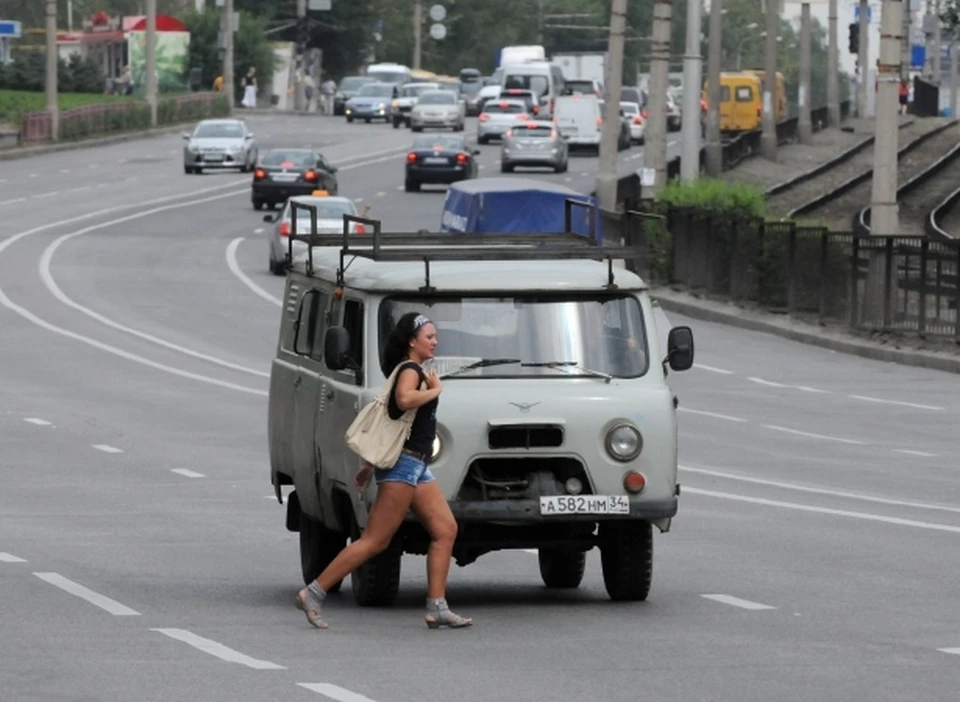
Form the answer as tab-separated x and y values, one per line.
142	556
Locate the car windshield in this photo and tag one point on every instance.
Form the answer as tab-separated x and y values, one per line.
353	82
579	86
219	131
297	159
539	84
326	209
434	141
507	108
471	88
371	90
389	76
630	108
567	335
414	90
438	98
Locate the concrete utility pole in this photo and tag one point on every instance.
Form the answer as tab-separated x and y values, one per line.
50	81
905	58
862	59
833	67
937	43
804	123
954	61
151	70
417	33
229	86
768	139
714	149
300	92
607	173
883	201
693	84
656	131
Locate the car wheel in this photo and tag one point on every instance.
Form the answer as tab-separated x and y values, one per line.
483	140
416	129
257	204
411	186
506	168
278	267
188	170
349	118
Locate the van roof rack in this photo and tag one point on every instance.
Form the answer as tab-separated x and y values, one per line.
378	245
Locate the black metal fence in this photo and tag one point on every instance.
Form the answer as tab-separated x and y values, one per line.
901	284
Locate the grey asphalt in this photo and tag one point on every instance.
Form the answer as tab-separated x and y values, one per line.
835	512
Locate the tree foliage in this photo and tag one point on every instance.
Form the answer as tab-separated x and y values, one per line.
28	72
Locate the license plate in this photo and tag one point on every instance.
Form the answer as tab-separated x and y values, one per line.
569	131
285	177
435	161
213	157
557	505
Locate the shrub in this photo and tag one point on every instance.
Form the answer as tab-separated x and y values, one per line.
715	194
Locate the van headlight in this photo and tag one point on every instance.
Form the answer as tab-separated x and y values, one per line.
624	442
436	448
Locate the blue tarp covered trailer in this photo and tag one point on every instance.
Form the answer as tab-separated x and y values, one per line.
505	205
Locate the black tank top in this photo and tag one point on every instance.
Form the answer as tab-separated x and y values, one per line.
424	429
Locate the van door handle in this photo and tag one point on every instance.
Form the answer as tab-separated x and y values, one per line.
329	394
297	381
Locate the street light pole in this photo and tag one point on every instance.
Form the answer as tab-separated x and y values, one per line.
804	122
693	83
768	139
50	81
656	131
714	148
883	201
300	95
833	68
228	81
151	69
607	173
417	34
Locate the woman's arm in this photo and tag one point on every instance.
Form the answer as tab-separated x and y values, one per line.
408	394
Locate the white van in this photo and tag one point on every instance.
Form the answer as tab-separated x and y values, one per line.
557	428
578	119
544	79
390	73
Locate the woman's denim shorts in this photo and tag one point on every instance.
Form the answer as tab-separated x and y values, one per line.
408	469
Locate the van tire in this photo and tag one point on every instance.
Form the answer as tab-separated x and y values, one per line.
626	555
318	547
561	568
377	582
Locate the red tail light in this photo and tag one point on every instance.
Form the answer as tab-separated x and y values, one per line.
599	121
509	134
310	175
523	116
285	229
359	229
637	120
644	114
411	157
461	158
536	109
259	174
483	117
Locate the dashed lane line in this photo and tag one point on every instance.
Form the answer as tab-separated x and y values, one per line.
829	492
737	602
812	435
921	454
712	369
218	650
334	692
84	593
37	421
234	267
10	558
848	514
767	383
715	415
106	448
912	405
187	473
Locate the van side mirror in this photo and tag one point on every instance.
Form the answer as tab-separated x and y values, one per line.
680	348
336	347
268	219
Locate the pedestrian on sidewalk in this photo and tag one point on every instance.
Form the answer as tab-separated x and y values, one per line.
250	88
327	89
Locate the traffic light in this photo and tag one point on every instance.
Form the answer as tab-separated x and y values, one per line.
303	32
853	43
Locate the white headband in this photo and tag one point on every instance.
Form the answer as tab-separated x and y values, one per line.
419	321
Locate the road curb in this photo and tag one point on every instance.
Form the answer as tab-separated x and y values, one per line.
788	328
29	151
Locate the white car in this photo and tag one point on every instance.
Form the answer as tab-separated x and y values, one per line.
330	211
438	108
638	125
218	144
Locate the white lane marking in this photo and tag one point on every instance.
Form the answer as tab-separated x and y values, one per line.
234	267
84	593
810	435
715	415
10	202
381	194
913	405
64	170
822	491
737	602
921	454
953	651
48	280
713	369
34	175
258	230
214	648
804	388
94	165
866	516
36	420
10	558
568	179
107	448
534	551
768	383
187	473
335	693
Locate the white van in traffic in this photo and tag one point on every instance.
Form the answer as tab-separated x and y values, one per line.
578	119
544	79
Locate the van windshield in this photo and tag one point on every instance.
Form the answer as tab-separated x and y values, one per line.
558	336
539	84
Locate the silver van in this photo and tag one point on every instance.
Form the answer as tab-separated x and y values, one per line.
556	430
544	79
578	119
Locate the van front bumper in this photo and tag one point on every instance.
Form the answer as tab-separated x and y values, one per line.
529	511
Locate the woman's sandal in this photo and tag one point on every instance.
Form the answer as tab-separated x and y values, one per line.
444	617
310	606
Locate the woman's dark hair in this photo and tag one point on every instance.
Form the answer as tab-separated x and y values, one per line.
398	341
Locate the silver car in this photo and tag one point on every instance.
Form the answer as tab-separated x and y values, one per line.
438	108
219	143
533	143
330	211
498	116
402	106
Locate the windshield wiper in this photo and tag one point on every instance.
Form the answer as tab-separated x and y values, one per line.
482	363
569	364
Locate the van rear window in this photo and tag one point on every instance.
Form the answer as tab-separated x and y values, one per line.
745	94
539	84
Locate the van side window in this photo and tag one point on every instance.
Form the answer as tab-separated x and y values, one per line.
321	325
724	93
745	94
305	327
353	323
